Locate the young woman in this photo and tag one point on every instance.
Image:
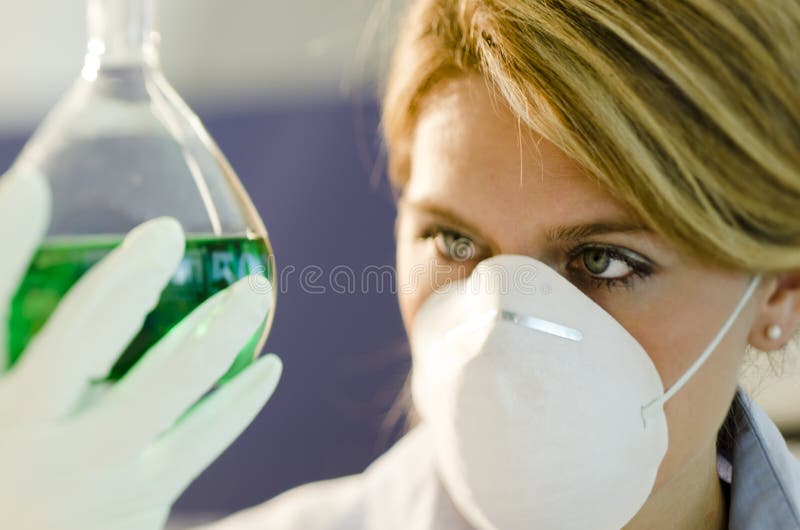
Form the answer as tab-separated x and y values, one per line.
641	158
598	215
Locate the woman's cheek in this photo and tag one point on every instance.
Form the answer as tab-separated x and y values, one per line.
412	279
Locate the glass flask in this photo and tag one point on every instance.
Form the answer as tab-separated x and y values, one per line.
122	147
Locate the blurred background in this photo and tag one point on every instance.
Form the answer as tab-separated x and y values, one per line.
288	90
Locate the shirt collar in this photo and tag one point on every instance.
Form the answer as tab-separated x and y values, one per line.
765	476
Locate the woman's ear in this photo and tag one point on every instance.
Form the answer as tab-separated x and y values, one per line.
779	315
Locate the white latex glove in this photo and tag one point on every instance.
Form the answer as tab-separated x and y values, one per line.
119	461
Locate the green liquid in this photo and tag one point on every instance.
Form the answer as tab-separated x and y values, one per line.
209	265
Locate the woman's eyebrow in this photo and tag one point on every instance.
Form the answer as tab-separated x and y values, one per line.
436	210
582	231
443	213
558	233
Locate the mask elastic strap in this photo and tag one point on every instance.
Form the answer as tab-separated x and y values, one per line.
659	401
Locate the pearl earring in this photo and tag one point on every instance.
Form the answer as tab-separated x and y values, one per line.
774	332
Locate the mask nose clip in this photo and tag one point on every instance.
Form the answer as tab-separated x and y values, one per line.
540	324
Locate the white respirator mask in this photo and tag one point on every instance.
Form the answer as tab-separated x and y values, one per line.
545	412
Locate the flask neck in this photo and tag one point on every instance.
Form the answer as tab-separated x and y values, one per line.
121	33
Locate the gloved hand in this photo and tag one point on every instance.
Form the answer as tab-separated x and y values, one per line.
117	461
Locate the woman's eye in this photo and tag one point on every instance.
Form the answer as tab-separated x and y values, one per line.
608	266
600	263
452	245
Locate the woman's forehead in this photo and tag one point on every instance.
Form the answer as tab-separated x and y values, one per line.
470	153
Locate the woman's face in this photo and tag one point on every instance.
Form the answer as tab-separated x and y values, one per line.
480	186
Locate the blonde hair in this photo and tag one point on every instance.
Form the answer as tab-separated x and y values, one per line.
686	110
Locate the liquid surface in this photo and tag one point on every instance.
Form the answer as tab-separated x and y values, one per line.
209	265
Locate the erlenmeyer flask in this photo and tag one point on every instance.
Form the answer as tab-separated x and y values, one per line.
122	147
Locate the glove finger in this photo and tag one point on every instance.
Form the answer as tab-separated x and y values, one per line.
183	452
24	216
178	370
95	321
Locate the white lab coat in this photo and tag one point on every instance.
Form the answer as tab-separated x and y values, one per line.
398	491
401	490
